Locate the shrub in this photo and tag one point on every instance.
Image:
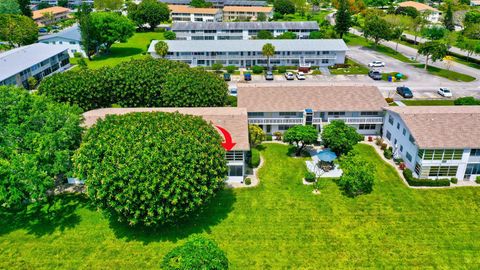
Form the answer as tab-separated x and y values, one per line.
197	253
137	83
388	154
370	139
412	181
255	135
378	141
231	101
255	158
278	135
77	55
257	69
477	180
231	69
127	172
282	69
383	146
269	138
402	166
169	35
310	177
454	180
300	136
248	181
466	101
389	100
37	140
316	72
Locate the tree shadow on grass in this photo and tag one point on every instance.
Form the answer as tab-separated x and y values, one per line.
201	221
292	150
45	218
119	52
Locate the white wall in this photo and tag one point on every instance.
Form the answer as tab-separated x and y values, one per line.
63	43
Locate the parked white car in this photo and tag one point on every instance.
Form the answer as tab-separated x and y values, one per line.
289	76
300	76
444	92
376	64
232	91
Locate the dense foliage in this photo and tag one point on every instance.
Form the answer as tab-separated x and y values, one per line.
18	30
197	253
37	139
137	83
358	175
151	168
284	7
108	4
9	7
255	135
151	12
377	28
466	101
340	137
433	50
161	48
343	20
201	4
300	136
412	181
264	34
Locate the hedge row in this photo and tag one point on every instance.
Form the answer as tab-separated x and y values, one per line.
137	83
415	182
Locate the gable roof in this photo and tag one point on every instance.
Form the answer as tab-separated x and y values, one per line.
71	33
311	25
232	119
252	45
37	14
188	9
444	127
19	59
317	98
246	9
418	6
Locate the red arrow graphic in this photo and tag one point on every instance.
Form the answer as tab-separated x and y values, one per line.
228	144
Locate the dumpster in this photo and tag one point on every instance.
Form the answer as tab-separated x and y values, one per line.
399	76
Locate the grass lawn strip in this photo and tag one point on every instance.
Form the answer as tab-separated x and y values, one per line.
448	74
428	102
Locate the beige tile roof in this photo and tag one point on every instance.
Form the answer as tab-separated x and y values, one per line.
442	126
37	14
417	6
188	9
247	9
232	119
318	98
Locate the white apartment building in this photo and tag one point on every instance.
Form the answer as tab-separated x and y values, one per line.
279	108
182	13
239	30
436	141
246	53
36	60
69	39
242	13
220	3
234	120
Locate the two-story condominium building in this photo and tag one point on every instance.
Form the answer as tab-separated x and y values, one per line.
239	30
220	3
36	60
42	16
279	108
181	13
69	39
436	141
234	120
232	13
246	53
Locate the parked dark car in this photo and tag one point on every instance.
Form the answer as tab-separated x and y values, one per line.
404	92
375	74
268	76
226	76
247	76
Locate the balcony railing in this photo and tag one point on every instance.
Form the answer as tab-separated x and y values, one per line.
358	120
280	121
249	57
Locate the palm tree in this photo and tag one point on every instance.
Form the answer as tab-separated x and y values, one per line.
268	50
161	48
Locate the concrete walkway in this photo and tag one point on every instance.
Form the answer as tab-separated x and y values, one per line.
379	151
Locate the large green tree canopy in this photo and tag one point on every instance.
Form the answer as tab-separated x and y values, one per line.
151	168
18	30
340	137
37	140
137	83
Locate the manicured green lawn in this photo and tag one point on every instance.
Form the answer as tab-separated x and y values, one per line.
427	102
449	74
316	16
136	47
278	225
354	68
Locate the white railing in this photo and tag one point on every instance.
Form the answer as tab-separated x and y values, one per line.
249	57
358	120
317	121
266	121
